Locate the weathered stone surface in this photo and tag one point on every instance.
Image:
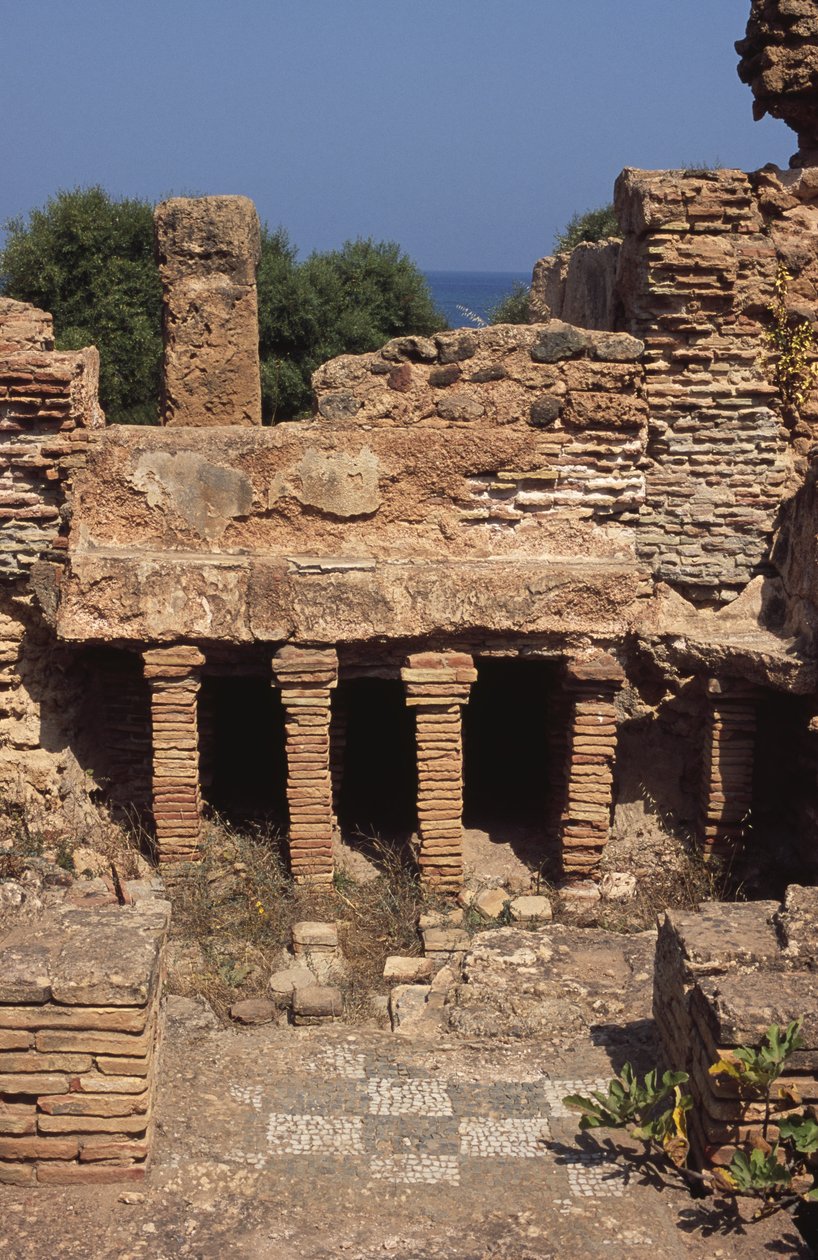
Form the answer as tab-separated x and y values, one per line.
491	902
412	1012
341	485
779	60
557	342
208	250
282	983
564	979
526	909
618	885
440	942
316	1003
311	935
410	970
253	1011
207	496
797	924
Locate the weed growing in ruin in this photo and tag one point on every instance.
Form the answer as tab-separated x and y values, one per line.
791	349
233	916
778	1175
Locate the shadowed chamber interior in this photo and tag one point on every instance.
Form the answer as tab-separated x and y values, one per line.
242	752
506	746
378	792
785	764
115	745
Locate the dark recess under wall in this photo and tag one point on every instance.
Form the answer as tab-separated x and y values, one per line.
508	752
379	782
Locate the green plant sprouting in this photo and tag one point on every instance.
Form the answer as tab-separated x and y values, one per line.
792	349
779	1174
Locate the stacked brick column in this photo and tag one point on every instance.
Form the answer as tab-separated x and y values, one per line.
338	744
592	683
437	686
173	677
306	678
727	772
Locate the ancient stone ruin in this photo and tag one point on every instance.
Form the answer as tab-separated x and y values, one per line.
532	572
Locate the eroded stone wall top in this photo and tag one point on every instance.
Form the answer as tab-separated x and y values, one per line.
779	60
208	250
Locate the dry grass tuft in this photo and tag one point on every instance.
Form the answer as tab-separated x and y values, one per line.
233	915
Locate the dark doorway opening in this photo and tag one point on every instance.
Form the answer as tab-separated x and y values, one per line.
243	757
774	853
509	748
377	779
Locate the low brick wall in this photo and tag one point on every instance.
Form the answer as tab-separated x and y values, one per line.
79	1022
723	975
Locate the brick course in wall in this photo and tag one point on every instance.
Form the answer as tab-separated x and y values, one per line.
79	1028
696	276
723	975
48	402
727	771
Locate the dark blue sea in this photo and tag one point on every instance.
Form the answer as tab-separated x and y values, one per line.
476	291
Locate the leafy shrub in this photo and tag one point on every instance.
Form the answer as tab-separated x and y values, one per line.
593	225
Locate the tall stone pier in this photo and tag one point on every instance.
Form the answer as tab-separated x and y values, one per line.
208	250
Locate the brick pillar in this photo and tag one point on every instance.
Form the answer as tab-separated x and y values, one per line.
173	677
592	684
727	771
437	686
337	745
306	678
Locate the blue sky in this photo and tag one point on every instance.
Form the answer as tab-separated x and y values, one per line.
467	130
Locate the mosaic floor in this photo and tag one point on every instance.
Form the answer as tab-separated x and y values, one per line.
386	1121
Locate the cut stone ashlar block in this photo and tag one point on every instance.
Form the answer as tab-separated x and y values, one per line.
208	249
81	1007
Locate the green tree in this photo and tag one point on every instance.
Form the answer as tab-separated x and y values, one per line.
593	225
89	261
513	308
346	301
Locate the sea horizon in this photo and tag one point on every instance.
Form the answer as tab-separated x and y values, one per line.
459	293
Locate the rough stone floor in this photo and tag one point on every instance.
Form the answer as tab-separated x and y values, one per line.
321	1142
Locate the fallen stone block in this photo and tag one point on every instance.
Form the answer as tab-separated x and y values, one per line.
531	909
253	1011
412	1011
317	1004
491	902
442	944
618	886
283	983
309	937
411	970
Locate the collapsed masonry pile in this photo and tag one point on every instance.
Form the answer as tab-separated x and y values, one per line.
779	60
723	975
79	1023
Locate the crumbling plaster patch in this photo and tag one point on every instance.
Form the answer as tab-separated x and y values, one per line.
335	482
207	496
